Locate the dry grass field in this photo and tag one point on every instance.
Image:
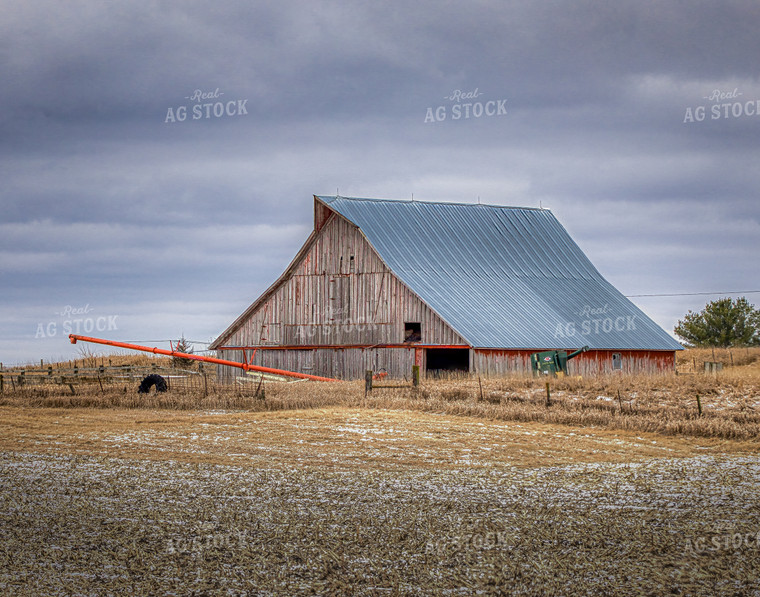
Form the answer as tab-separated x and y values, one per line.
466	486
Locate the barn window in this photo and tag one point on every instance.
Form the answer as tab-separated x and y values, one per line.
412	331
351	264
617	361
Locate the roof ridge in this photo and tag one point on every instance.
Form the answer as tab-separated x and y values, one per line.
415	201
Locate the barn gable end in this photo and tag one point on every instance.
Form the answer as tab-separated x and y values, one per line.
338	310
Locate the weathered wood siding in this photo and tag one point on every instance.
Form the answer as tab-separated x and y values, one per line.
633	361
338	294
339	363
595	362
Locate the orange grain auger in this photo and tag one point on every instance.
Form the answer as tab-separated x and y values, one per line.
173	353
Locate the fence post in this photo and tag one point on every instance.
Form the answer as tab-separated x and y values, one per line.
548	395
415	375
367	382
1	383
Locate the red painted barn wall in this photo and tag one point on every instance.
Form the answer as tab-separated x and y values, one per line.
633	361
594	362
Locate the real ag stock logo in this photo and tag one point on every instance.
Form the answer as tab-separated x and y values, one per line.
725	104
202	109
76	320
462	109
595	320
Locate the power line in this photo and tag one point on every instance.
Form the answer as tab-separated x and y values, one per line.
697	293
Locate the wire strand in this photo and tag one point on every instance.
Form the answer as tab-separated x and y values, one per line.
696	293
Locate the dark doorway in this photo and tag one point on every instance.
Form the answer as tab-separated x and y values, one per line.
448	359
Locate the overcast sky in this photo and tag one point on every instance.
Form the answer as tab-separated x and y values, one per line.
118	212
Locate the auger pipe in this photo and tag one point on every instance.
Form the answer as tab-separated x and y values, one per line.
173	353
577	352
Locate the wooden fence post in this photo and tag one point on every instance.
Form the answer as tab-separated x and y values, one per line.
548	395
367	382
415	375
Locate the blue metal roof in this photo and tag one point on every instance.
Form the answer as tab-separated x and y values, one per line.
502	277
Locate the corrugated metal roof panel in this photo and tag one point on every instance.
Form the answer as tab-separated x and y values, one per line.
502	277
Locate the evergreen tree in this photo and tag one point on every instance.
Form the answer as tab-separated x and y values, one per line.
722	323
182	345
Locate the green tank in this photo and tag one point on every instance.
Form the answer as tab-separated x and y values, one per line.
552	362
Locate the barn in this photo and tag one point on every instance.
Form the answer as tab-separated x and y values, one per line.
384	285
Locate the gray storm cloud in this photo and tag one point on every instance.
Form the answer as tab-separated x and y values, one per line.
177	226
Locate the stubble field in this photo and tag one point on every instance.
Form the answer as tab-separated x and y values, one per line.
463	490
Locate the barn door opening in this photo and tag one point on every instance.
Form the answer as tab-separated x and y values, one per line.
440	360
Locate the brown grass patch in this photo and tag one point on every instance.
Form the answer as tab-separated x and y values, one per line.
335	438
663	404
